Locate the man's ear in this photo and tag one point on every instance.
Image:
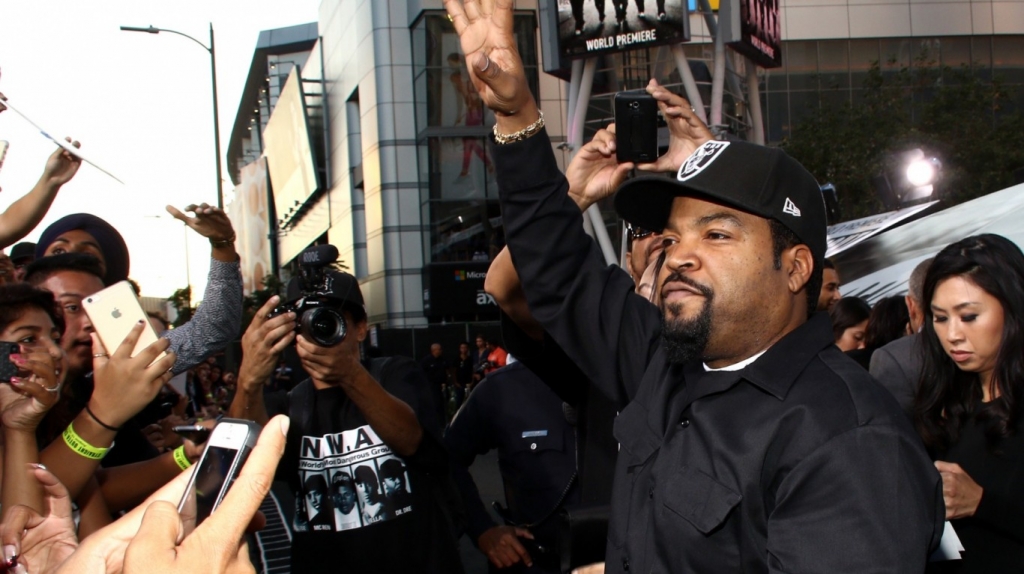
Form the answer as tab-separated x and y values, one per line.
362	329
799	264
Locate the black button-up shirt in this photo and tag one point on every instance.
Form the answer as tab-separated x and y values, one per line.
798	462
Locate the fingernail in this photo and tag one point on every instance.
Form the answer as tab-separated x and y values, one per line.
40	466
17	381
17	359
10	552
140	321
285	423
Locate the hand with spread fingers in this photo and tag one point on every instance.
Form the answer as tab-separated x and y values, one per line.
594	173
40	543
485	29
263	342
210	222
124	385
35	389
686	131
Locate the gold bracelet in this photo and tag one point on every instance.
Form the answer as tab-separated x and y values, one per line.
532	129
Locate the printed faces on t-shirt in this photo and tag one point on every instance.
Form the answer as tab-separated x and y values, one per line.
349	480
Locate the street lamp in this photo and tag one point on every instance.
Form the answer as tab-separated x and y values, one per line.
213	72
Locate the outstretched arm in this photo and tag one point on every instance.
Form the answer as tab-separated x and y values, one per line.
24	214
219	317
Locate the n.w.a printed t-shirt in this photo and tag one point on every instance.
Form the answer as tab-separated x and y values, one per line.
359	507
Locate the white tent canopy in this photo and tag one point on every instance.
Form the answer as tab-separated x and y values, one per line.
881	266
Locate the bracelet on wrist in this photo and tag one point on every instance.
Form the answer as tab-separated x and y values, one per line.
530	130
98	421
81	447
181	458
219	243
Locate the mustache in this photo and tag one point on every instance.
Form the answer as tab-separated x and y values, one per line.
678	276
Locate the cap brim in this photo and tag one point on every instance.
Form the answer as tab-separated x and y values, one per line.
646	201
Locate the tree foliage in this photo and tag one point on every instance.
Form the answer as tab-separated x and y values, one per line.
973	125
180	300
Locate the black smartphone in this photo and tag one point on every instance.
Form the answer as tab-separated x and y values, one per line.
195	433
226	452
7	368
636	127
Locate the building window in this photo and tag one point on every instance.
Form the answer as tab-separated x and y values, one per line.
459	198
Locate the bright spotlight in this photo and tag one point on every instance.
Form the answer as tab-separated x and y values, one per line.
922	171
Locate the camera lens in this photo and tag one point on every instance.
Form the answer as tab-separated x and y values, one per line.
325	326
634	105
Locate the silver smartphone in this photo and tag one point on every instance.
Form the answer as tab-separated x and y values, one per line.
226	452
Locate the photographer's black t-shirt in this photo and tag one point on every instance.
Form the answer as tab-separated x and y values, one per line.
360	507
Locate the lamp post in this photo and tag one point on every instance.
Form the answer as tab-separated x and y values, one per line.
213	73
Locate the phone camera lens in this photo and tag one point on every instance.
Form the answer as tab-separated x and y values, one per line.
634	105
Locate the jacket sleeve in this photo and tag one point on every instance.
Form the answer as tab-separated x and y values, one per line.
468	436
866	501
217	321
588	308
887	371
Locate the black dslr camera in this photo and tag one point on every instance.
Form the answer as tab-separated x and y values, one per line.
314	298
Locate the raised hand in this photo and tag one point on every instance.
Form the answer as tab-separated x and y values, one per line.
594	173
210	222
124	385
489	44
62	165
686	131
35	390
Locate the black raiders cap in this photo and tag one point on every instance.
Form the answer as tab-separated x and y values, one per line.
759	180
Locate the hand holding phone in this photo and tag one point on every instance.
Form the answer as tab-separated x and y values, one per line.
636	127
226	451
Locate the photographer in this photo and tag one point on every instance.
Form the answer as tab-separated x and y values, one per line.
351	414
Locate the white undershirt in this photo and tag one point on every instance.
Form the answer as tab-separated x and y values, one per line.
736	366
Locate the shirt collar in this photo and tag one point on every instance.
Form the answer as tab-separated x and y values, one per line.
783	362
775	369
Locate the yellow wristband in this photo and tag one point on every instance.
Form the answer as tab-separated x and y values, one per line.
80	446
181	458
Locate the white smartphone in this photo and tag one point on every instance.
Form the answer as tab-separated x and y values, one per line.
4	144
113	312
226	452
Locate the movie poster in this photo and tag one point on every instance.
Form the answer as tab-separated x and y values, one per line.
591	27
752	28
349	480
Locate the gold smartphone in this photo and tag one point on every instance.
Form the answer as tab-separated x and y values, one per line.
113	312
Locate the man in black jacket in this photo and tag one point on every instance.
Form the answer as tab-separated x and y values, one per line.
749	443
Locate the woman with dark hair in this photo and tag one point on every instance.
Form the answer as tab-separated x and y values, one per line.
849	322
30	323
968	404
889	320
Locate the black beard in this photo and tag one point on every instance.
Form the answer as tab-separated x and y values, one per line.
684	340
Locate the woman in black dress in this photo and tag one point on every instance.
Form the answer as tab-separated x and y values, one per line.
969	401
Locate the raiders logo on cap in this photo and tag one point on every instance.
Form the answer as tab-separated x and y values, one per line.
701	158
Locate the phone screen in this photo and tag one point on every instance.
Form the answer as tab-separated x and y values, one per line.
7	368
209	480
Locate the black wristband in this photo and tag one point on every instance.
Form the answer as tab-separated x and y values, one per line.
97	419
